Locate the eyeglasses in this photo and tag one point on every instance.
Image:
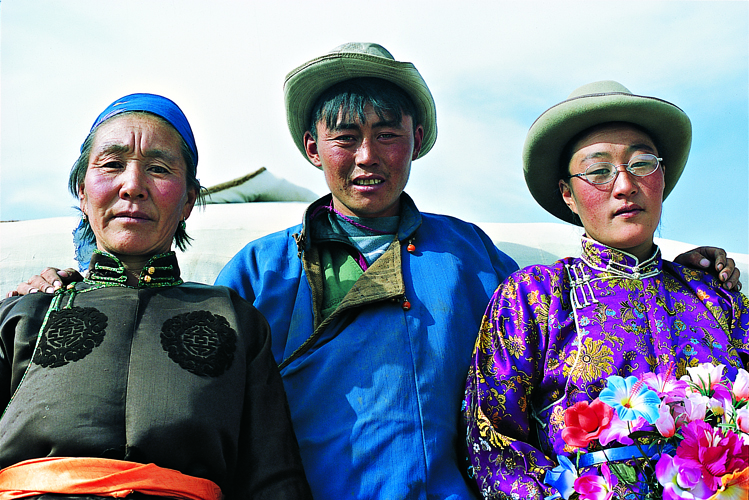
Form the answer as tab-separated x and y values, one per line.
605	172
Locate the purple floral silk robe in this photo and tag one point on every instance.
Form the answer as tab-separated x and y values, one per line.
552	334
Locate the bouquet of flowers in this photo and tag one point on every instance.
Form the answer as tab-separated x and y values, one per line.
657	437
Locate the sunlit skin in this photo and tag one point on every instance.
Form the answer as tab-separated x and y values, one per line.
135	190
624	213
366	165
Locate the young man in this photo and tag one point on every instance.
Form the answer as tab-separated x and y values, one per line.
373	305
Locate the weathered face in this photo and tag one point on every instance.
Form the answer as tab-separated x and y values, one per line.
366	165
135	189
624	213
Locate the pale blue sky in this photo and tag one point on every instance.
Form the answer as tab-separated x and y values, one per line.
492	66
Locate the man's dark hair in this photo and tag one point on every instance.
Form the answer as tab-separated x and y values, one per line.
350	97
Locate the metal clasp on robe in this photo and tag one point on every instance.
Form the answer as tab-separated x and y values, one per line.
581	293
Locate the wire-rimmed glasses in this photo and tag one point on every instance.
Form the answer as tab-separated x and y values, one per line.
605	172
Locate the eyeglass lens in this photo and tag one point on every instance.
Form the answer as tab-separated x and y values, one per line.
604	172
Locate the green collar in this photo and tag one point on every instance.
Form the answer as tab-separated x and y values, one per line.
160	270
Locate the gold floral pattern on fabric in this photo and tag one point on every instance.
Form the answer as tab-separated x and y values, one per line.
591	362
552	334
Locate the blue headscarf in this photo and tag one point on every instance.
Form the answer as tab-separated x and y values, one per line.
157	105
151	103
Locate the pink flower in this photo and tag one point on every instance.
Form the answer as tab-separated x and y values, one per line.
620	430
733	486
665	423
705	376
668	387
680	478
695	408
741	385
591	486
742	419
584	422
716	453
720	407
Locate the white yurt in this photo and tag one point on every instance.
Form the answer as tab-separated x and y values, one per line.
259	203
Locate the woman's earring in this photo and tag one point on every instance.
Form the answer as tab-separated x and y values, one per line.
182	224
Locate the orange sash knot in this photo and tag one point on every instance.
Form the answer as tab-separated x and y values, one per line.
102	477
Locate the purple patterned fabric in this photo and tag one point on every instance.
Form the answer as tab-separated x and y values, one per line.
552	334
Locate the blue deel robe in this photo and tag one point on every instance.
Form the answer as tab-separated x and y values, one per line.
376	394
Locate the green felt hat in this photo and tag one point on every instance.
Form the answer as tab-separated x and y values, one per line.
596	104
304	85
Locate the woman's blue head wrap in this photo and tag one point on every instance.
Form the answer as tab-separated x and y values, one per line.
157	105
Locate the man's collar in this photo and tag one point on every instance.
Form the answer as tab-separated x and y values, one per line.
318	227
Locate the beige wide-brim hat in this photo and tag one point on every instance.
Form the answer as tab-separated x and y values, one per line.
304	85
595	104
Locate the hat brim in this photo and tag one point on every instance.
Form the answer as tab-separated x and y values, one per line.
668	126
304	85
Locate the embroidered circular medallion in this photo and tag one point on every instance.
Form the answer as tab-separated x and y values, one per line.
70	335
200	342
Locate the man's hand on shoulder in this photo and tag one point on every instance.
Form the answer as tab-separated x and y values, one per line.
47	281
715	261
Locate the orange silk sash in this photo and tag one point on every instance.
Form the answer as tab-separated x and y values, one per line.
101	477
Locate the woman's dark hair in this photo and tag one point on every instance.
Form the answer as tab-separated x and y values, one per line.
567	152
78	175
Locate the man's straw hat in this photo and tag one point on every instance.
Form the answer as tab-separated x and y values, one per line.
304	85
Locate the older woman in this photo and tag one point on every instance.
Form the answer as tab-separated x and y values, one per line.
133	382
604	159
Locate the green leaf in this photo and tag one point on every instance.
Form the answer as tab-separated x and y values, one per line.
625	473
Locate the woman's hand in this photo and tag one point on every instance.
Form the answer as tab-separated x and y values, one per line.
715	261
48	281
